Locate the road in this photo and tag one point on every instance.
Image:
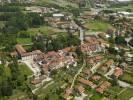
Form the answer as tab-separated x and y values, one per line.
94	68
79	71
124	84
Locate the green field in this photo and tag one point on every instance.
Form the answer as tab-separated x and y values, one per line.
18	95
24	40
61	3
44	29
126	95
25	70
122	8
128	77
95	25
96	97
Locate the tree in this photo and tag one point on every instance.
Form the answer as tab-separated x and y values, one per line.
120	40
112	50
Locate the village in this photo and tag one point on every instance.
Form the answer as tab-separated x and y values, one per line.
76	53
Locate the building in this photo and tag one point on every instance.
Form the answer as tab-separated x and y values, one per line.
118	72
55	60
106	67
91	45
96	77
103	87
80	89
87	82
67	93
23	54
94	60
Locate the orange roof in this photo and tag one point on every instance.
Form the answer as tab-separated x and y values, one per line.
96	77
103	87
87	82
109	62
117	72
67	93
80	89
20	49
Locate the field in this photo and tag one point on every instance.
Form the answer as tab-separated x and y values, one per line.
118	93
122	7
18	95
24	40
46	30
95	25
126	95
96	97
61	3
25	70
127	77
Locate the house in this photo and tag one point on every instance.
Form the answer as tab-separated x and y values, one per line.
37	80
103	87
128	15
87	82
96	77
109	63
94	60
80	89
20	50
23	54
67	93
105	67
118	72
58	16
86	73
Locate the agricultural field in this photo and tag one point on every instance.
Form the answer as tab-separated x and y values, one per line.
61	3
96	25
127	77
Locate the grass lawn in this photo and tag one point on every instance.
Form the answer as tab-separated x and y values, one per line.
18	95
42	92
61	3
126	95
24	40
25	70
128	77
96	97
2	24
44	29
113	91
122	8
95	25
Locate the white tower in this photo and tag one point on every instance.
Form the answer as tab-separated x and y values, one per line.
81	35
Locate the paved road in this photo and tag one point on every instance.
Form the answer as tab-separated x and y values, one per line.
94	68
75	77
124	84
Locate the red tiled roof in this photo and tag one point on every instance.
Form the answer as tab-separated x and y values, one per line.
80	89
87	82
20	49
103	87
117	72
